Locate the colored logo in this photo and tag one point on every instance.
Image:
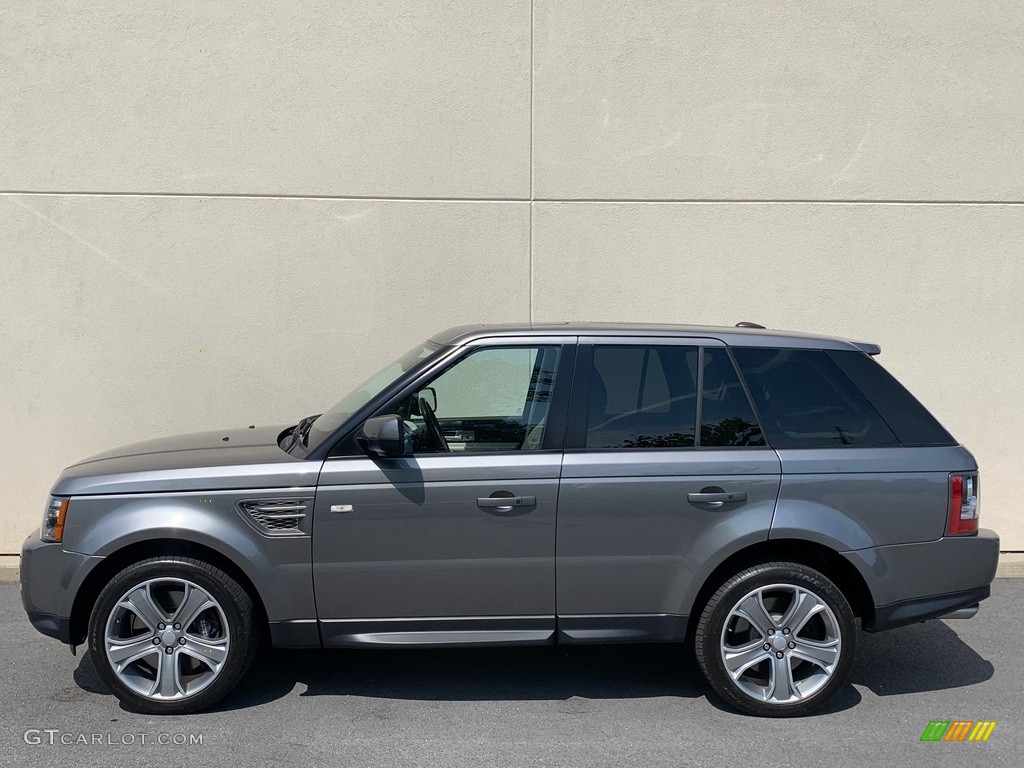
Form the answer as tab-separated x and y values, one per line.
958	730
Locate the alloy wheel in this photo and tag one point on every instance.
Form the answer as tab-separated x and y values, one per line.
781	643
167	639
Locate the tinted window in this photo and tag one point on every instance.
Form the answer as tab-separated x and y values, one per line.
727	419
642	397
806	401
906	417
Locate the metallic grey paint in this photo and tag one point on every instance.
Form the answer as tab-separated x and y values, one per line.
416	544
612	547
630	542
949	564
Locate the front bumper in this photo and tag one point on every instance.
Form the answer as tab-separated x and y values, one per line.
50	578
914	582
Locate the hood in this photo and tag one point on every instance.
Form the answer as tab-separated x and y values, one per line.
227	459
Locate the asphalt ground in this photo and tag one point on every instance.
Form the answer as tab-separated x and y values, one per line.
559	706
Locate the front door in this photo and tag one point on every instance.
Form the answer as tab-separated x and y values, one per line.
456	542
665	468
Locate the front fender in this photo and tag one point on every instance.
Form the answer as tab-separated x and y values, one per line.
278	566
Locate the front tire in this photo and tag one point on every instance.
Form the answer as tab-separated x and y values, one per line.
776	640
172	635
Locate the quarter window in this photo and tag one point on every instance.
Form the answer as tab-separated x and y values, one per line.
806	401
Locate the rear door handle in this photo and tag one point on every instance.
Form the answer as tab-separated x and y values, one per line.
716	499
491	502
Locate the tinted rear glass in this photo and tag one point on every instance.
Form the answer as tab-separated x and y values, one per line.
727	420
906	417
642	397
806	401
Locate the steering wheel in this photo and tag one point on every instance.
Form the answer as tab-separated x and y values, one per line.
433	425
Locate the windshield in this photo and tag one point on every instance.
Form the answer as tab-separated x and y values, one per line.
338	413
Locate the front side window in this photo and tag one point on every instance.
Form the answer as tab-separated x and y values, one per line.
806	401
642	397
494	399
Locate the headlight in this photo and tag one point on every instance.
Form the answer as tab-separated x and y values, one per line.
53	520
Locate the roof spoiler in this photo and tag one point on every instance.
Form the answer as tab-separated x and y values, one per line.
871	349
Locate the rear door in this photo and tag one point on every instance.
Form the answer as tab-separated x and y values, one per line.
658	484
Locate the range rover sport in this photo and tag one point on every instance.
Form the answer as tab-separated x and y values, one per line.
764	495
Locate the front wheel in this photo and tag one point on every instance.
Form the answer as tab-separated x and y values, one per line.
776	640
172	635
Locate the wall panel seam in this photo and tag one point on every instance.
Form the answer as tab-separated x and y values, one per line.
561	200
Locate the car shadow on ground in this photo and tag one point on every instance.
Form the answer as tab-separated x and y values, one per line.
901	661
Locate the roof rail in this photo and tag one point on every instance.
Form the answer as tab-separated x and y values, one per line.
748	324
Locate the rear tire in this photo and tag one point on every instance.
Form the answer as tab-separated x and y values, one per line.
776	640
172	635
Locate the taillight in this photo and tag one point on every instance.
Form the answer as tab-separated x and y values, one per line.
963	505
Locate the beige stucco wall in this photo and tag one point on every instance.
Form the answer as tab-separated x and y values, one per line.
306	188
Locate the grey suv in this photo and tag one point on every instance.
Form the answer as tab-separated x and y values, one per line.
756	493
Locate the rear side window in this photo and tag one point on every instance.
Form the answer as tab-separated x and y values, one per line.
642	397
906	417
727	420
806	401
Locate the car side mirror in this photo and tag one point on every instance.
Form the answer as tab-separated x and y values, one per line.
383	436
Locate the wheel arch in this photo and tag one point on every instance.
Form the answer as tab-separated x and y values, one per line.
115	562
828	561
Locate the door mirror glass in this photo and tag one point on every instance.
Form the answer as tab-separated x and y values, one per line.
383	436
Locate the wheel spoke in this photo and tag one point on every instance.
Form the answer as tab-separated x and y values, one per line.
824	654
168	677
194	602
140	602
122	654
212	654
752	609
741	658
805	605
781	686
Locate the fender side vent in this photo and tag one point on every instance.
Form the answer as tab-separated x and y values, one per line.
276	516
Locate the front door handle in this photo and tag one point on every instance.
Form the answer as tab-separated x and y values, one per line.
498	502
715	498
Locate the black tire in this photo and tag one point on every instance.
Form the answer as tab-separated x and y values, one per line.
711	640
241	638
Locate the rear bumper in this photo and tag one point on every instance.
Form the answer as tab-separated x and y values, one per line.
915	582
923	608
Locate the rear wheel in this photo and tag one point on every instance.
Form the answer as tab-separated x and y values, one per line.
172	635
776	640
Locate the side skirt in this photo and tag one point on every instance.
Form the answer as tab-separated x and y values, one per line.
468	632
483	631
579	629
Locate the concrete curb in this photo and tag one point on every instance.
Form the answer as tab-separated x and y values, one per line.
1011	566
